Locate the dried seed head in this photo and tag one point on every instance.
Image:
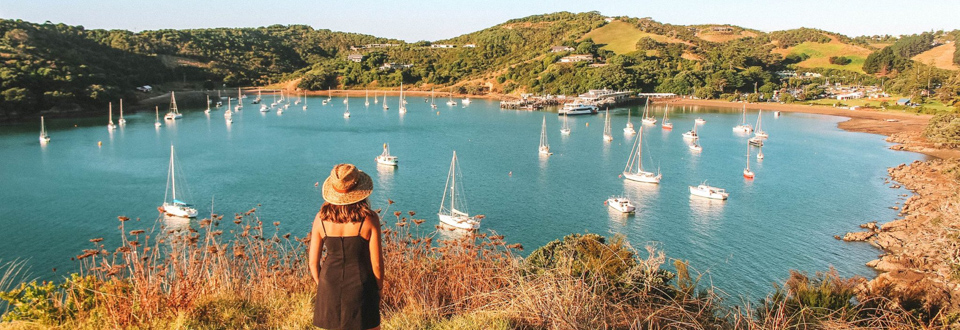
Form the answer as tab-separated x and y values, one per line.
96	240
389	202
123	218
136	232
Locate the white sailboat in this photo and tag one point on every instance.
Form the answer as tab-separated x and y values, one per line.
228	116
700	121
208	105
760	153
121	121
386	158
634	169
110	125
258	99
759	131
747	173
695	146
346	113
705	191
280	109
157	110
451	103
647	119
240	93
544	146
403	102
743	127
239	97
607	136
385	106
565	130
327	100
44	138
304	100
666	124
455	213
366	98
629	130
692	134
466	101
174	113
219	99
175	208
375	99
433	103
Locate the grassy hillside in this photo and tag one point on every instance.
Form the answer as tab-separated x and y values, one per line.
941	57
621	37
820	53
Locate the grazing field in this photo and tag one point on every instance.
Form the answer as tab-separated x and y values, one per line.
723	37
621	37
940	56
819	55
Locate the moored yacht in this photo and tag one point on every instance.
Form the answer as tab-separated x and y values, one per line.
621	204
386	158
705	191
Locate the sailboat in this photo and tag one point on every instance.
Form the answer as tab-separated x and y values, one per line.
280	109
174	113
666	124
700	121
433	103
327	100
455	213
208	105
240	93
345	97
385	106
366	98
239	103
647	119
121	121
297	102
176	207
759	132
346	113
258	99
634	169
743	127
386	158
403	102
110	125
544	146
304	100
219	99
228	116
692	134
451	103
465	101
44	138
264	108
629	129
760	153
747	173
695	146
157	110
606	127
565	130
375	99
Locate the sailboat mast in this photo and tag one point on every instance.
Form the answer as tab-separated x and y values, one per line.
43	130
173	103
759	115
111	113
640	151
173	175
453	183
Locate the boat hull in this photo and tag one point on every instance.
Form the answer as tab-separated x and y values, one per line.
645	177
707	193
460	222
623	206
392	161
178	210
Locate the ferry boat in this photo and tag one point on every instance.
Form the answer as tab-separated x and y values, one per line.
575	109
705	191
621	204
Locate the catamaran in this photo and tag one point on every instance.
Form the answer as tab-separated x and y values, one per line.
44	138
743	127
577	108
747	173
121	121
174	113
634	168
629	129
666	124
455	214
110	125
692	134
759	131
607	136
386	158
176	208
647	119
565	130
705	191
157	110
544	146
451	103
621	204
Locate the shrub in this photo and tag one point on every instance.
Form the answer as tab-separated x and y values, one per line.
839	60
944	128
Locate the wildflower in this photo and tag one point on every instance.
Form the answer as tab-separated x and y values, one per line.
396	214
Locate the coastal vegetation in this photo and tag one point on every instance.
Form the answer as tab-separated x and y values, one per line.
55	67
243	272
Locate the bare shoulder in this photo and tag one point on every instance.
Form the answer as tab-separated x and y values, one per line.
317	222
372	220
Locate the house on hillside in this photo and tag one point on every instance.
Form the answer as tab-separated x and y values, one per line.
443	46
355	58
722	29
608	19
903	101
470	46
394	66
560	49
577	58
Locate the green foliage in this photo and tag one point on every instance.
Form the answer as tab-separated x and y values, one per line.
885	61
810	300
789	38
839	60
944	128
908	46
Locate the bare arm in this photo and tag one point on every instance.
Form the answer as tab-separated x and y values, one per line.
376	251
316	244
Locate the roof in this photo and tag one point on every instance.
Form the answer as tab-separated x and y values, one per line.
904	100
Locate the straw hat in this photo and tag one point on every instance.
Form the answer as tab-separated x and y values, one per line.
346	185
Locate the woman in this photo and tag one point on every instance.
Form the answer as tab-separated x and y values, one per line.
350	278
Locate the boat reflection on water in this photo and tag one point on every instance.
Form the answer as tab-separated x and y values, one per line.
385	178
642	195
706	213
175	223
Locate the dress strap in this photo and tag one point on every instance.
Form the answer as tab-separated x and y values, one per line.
359	230
324	228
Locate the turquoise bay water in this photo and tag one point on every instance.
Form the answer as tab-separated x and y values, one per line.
815	182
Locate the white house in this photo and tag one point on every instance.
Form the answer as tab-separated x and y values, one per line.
470	46
577	58
355	57
443	46
560	49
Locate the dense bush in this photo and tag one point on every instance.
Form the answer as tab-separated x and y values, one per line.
839	60
944	128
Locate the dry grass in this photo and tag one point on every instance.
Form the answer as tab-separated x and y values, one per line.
621	37
940	57
820	53
244	273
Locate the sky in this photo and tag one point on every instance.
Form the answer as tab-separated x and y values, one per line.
440	19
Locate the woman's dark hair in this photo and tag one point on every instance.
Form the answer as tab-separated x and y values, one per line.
355	212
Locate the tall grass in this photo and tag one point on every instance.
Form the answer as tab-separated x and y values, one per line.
243	272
